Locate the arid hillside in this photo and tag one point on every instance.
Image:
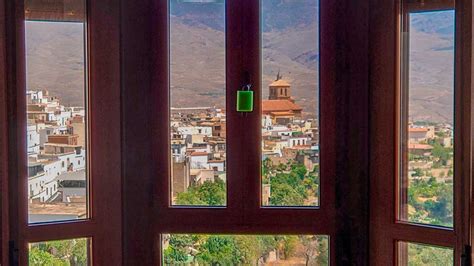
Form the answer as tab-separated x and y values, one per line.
55	58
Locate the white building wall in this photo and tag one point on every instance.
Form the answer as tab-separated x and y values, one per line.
33	140
219	165
207	131
199	162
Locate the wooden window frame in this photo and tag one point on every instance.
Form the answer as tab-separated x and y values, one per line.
134	74
4	199
386	53
104	154
344	144
243	166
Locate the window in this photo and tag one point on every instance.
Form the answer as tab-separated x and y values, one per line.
290	63
262	168
56	86
427	120
57	116
163	168
420	182
197	95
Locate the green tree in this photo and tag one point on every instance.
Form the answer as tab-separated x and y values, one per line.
39	257
61	252
285	195
442	153
421	255
219	250
289	245
207	194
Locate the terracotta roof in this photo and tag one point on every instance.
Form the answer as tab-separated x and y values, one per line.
280	83
279	105
416	146
283	113
418	129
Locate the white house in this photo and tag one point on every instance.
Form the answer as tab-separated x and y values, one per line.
195	130
33	139
199	160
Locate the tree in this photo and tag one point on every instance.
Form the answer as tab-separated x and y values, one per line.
420	255
285	195
61	252
38	257
248	248
442	153
207	194
289	245
219	250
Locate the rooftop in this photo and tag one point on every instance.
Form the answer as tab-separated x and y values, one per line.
418	129
279	106
280	83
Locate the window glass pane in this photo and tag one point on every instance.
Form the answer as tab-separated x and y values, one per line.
290	126
427	119
197	90
419	254
56	110
60	252
179	249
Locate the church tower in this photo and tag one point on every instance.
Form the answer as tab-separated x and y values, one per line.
279	89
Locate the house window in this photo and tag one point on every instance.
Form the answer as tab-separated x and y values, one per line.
58	53
427	118
200	97
280	162
425	219
59	80
282	190
427	160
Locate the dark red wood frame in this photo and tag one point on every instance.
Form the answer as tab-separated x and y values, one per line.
139	66
344	95
243	167
387	230
4	236
104	226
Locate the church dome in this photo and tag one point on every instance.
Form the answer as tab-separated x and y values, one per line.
280	83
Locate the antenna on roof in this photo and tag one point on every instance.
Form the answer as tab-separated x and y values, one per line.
279	76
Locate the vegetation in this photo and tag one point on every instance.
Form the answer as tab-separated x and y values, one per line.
420	255
432	202
291	184
243	249
207	194
59	253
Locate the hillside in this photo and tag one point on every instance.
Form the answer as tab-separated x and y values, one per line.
290	30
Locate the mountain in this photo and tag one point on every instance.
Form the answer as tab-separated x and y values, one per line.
290	46
55	59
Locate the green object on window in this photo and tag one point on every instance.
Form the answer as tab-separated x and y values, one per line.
245	101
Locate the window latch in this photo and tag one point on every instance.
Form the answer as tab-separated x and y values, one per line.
245	99
466	257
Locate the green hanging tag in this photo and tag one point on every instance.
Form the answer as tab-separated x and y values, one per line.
245	100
